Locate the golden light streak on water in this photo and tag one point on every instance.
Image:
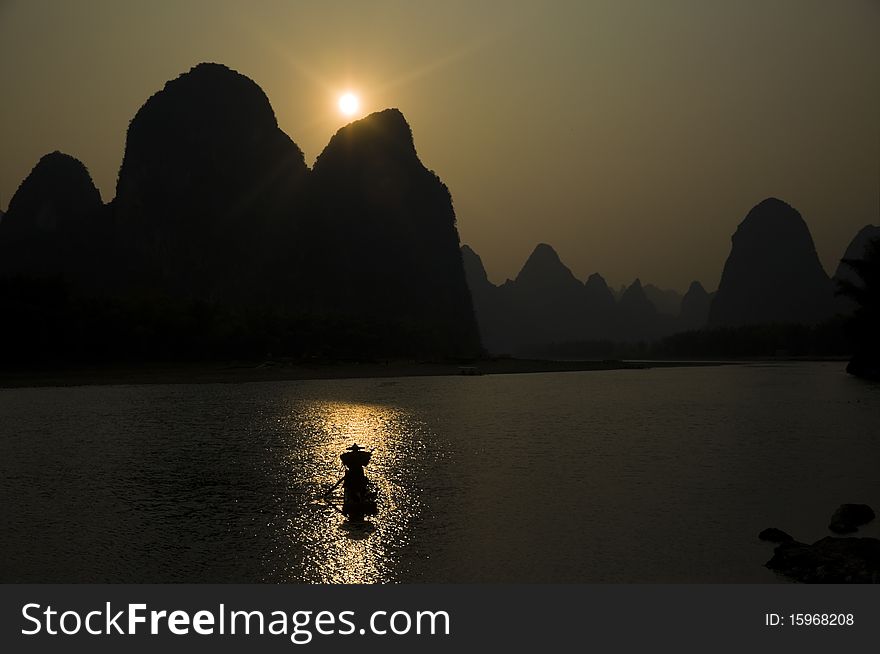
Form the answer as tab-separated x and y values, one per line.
341	550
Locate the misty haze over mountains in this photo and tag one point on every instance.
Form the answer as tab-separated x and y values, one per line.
221	242
771	277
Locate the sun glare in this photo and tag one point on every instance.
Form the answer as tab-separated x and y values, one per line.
349	103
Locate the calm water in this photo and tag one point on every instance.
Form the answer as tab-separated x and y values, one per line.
620	476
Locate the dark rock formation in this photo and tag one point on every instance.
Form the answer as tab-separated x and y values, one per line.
208	189
694	308
221	243
382	241
50	220
773	274
774	535
544	270
829	560
547	306
546	311
849	517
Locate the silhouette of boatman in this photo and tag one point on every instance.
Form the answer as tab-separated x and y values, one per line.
355	458
359	498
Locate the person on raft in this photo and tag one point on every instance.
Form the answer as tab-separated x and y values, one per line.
355	459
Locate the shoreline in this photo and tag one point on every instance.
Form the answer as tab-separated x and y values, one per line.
232	372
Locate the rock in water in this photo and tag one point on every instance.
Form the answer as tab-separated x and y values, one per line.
773	274
830	560
384	243
849	517
208	189
774	535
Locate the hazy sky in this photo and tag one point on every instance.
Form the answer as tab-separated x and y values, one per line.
631	135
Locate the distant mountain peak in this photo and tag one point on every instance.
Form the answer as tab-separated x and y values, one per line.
596	281
599	299
695	305
544	267
543	255
773	204
772	218
773	273
635	292
635	303
545	250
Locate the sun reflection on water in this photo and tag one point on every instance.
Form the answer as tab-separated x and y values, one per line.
338	550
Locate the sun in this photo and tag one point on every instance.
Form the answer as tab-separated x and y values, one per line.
349	103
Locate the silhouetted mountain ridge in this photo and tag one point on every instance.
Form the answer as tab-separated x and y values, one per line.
546	305
544	269
220	241
772	276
